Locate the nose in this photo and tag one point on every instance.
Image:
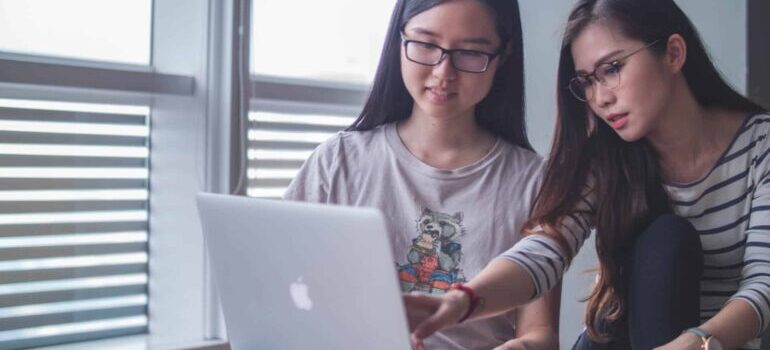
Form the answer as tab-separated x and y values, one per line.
603	96
444	70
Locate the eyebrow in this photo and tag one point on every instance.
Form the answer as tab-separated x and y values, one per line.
481	41
602	60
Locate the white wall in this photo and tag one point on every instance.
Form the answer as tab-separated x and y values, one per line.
722	25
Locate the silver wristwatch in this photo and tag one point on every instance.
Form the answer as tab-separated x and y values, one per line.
709	341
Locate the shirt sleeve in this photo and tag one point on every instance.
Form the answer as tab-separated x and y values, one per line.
543	257
312	182
755	283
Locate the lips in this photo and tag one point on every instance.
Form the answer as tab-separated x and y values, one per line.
439	95
617	120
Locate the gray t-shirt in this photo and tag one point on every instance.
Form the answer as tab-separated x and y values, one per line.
444	225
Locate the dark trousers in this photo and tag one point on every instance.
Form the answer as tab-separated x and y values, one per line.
665	269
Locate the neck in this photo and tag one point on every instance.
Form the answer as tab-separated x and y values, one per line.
689	138
445	142
683	131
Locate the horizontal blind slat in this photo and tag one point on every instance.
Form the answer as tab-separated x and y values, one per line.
74	217
69	251
74	261
71	139
75	195
74	128
271	183
70	116
73	284
73	328
74	151
72	183
73	173
64	317
73	306
267	145
306	119
34	276
74	239
289	127
70	228
79	107
71	207
289	136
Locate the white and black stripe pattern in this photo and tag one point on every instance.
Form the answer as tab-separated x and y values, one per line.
539	249
729	207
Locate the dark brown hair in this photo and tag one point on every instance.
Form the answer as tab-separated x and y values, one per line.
501	112
624	176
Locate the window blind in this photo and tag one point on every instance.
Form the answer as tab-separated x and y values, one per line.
279	142
74	185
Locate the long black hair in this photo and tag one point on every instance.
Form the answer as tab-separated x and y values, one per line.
501	112
627	182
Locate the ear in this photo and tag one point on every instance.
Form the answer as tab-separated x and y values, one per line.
505	54
676	53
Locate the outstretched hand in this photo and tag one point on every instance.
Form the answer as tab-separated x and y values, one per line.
427	314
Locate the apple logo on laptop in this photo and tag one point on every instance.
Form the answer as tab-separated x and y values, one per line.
300	296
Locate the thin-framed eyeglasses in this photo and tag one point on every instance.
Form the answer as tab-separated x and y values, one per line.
427	54
608	74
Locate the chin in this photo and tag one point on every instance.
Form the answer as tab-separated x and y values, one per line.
439	109
629	135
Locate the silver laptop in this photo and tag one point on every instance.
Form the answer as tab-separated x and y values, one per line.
303	276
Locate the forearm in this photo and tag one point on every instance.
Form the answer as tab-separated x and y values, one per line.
537	323
735	325
545	338
503	285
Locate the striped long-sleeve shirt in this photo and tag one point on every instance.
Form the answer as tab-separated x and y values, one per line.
730	209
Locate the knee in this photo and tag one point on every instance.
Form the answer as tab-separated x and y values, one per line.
673	223
668	247
669	235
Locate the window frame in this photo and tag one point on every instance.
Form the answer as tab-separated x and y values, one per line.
187	93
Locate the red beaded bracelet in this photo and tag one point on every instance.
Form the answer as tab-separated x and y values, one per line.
474	300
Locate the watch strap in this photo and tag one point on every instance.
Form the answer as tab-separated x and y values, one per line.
704	335
699	332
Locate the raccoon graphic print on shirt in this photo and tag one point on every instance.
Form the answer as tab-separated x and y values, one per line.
433	261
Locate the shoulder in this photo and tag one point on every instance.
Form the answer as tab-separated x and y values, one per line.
345	145
756	128
751	147
358	138
522	160
754	133
523	173
759	127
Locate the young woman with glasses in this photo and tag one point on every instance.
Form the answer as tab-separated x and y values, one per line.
441	149
669	165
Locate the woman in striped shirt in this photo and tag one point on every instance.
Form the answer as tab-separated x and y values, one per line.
669	165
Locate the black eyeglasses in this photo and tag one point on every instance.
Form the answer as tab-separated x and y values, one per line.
428	54
607	74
